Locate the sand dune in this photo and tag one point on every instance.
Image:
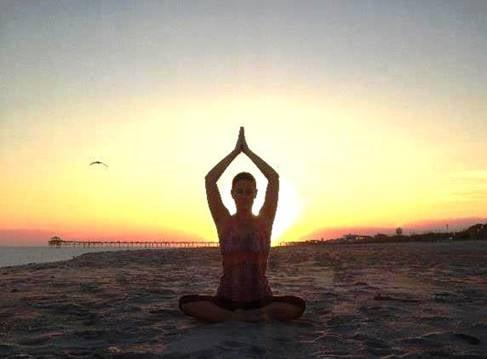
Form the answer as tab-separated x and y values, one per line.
402	300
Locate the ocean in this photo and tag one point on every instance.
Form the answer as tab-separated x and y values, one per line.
11	256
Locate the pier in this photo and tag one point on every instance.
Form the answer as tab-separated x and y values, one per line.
57	242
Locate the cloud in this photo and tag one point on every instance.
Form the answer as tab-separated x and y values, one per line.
24	237
454	224
480	175
469	185
473	195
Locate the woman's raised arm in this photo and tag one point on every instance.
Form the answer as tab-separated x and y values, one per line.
268	210
217	208
216	172
266	170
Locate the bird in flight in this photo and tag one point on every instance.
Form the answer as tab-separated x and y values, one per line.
98	163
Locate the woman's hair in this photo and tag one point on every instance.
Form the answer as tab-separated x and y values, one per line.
243	176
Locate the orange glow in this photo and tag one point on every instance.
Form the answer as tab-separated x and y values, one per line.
335	170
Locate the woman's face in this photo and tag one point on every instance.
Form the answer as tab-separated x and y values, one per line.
244	192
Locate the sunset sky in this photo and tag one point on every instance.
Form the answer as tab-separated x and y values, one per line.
372	112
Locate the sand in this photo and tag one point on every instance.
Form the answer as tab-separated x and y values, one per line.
401	300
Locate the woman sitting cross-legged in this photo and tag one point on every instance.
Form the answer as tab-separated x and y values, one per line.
244	292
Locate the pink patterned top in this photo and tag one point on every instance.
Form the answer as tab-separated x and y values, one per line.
245	255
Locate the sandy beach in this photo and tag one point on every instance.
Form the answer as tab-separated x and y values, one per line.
401	300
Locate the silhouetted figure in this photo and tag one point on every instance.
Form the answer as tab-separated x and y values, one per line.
243	293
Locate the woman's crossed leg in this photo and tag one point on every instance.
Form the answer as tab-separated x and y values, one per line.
210	308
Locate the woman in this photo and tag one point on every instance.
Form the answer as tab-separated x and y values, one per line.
243	293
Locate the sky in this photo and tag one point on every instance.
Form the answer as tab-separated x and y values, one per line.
372	112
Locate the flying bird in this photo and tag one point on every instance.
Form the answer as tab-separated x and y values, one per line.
98	163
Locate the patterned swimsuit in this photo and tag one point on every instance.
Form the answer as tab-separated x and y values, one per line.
245	255
245	250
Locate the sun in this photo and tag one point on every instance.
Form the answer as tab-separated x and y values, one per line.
288	210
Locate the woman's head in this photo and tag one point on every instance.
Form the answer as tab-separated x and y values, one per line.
244	190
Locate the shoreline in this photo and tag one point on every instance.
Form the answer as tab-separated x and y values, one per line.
296	245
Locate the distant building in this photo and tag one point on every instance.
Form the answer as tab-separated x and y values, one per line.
355	237
477	231
350	237
313	241
55	241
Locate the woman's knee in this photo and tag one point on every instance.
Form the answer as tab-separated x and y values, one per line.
191	298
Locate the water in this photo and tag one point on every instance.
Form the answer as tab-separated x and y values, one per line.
11	256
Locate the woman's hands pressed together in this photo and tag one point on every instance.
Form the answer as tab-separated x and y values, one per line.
241	145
